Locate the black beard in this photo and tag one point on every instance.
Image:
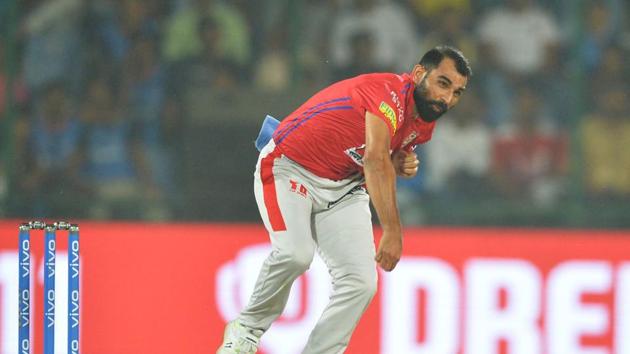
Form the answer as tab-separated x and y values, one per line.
426	108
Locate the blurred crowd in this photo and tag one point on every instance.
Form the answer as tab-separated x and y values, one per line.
102	91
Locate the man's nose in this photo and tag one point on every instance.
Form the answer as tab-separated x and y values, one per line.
446	98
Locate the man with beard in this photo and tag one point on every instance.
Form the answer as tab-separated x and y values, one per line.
311	184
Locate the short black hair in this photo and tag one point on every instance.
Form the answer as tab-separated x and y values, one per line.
433	58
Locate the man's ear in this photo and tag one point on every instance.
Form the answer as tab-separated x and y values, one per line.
418	73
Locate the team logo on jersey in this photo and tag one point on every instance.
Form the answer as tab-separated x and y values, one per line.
409	139
356	154
389	112
298	188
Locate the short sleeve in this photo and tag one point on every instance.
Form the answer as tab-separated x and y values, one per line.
378	99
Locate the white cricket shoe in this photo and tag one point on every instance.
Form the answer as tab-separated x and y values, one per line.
239	339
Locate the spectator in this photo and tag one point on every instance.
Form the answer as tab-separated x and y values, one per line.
458	161
16	94
427	8
202	79
313	51
529	156
144	82
603	27
17	197
273	70
610	69
114	160
517	39
555	84
409	193
454	167
52	46
396	43
145	90
53	186
362	57
452	28
117	23
182	40
171	66
17	91
606	135
430	12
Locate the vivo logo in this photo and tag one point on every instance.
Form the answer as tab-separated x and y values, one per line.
50	308
25	346
25	308
25	261
74	260
50	260
73	316
74	346
74	270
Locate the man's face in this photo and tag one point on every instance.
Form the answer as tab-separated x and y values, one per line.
437	90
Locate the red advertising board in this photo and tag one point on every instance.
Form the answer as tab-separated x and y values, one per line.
169	288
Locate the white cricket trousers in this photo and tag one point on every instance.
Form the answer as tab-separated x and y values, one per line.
304	213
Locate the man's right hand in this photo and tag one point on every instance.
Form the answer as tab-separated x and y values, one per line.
389	250
380	177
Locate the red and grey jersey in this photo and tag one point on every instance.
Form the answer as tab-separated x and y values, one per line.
326	135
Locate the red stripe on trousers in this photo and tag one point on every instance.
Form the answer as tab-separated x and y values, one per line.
269	192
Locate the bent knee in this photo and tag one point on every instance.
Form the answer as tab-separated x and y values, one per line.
364	283
369	286
299	260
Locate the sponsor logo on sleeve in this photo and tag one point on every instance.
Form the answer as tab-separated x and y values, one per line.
356	154
389	113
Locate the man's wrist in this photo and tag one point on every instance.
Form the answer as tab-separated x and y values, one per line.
392	228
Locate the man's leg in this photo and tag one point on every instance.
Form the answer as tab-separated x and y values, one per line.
287	216
292	249
345	240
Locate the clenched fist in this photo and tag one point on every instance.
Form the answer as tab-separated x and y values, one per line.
405	163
